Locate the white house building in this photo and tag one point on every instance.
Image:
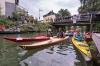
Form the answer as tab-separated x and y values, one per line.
8	6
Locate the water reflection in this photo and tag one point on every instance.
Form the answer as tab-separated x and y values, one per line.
63	54
57	55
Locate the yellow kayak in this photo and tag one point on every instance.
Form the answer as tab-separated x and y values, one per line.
83	47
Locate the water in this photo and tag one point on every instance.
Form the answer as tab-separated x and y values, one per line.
62	54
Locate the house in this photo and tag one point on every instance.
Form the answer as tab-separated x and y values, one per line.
49	17
7	7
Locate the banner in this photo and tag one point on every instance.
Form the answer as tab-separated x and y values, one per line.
74	19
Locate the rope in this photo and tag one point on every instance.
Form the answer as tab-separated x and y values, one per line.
24	47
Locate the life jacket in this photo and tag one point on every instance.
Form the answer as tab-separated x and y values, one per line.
79	37
60	34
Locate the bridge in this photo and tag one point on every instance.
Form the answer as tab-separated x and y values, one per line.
83	20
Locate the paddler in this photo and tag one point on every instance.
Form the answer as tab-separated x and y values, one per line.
60	33
49	33
78	35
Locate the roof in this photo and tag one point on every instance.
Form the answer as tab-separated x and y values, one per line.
50	13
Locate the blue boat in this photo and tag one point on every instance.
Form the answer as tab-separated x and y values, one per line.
69	33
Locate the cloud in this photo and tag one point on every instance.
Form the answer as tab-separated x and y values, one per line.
46	6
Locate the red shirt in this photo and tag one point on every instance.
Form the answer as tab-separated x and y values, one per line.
3	27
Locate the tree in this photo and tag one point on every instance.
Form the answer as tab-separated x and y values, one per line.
15	16
89	6
31	19
63	12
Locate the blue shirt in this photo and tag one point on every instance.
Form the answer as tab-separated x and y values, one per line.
79	37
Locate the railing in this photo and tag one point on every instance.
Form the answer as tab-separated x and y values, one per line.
22	9
70	18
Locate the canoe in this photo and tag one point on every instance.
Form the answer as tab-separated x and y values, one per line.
88	37
50	42
83	47
12	32
23	39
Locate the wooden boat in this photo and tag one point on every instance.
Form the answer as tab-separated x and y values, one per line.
23	39
52	41
83	47
12	32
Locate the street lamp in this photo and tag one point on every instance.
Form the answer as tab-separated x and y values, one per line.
39	14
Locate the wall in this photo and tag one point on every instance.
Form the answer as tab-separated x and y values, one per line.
9	8
2	6
50	16
9	4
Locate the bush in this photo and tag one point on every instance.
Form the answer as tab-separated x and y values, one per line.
23	28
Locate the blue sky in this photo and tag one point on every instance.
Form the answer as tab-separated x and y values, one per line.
46	6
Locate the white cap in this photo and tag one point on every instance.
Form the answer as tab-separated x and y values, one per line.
49	29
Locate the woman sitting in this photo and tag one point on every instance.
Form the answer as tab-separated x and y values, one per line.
78	35
60	33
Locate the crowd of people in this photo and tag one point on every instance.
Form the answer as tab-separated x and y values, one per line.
78	17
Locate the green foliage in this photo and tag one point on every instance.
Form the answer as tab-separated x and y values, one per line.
88	6
6	22
35	21
31	19
3	20
92	45
24	28
63	12
15	16
21	11
97	26
44	26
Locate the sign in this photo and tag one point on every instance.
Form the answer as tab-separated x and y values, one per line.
74	19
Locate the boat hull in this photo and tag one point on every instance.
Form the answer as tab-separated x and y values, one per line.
50	42
20	39
83	47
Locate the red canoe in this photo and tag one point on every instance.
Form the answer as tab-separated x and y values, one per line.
20	39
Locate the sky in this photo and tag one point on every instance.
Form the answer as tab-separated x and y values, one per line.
46	6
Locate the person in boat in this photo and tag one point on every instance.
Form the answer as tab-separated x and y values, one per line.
60	33
3	28
78	35
18	29
49	33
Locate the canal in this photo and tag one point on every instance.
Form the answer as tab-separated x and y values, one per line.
62	54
